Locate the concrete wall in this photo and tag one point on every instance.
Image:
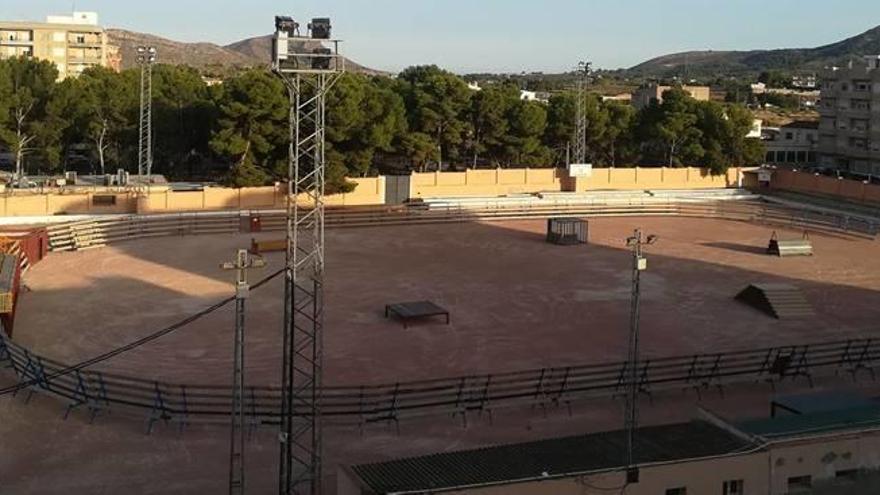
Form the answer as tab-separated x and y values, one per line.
498	182
502	182
370	191
805	182
655	178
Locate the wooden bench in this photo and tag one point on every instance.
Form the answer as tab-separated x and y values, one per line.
415	310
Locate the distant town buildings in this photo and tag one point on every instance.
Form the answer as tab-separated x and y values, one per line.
643	96
849	127
73	43
794	144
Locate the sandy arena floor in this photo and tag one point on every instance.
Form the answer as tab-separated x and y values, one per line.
516	303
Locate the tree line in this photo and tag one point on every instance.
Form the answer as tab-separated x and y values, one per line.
423	119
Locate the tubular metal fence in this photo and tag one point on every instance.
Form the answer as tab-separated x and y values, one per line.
459	397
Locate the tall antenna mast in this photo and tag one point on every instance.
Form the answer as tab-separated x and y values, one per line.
309	66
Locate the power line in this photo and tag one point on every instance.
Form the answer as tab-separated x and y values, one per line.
138	343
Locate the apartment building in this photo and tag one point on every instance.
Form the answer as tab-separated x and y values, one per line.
793	144
73	43
643	96
849	128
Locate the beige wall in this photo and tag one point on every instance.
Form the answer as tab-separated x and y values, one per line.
822	459
498	182
655	178
805	182
369	191
518	181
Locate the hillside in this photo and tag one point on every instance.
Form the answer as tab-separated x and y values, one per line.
260	48
209	57
708	63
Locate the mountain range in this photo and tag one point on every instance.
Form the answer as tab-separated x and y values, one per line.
709	63
255	52
209	57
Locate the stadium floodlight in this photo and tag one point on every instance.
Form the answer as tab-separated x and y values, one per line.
286	24
320	28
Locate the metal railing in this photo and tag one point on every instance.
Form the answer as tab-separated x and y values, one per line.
459	397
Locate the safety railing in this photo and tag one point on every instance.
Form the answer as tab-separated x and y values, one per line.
460	397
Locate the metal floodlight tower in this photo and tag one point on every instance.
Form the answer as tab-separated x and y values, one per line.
309	66
640	264
243	262
146	57
579	150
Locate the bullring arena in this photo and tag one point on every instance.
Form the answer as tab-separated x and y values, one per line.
533	348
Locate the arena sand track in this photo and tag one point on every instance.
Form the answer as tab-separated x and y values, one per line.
516	303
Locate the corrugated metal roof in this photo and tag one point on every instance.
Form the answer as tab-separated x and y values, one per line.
555	457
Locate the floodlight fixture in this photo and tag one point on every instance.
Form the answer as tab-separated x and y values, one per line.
320	28
146	54
286	24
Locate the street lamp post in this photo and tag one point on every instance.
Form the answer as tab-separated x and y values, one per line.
640	264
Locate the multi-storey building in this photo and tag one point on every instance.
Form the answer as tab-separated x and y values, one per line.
643	96
849	129
73	43
793	144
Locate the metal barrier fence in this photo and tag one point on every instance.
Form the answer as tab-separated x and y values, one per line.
100	232
460	397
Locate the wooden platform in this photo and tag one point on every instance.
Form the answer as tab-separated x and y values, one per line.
414	311
781	301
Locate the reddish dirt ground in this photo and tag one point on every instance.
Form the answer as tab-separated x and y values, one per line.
516	303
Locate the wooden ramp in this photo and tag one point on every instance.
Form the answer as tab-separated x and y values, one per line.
781	301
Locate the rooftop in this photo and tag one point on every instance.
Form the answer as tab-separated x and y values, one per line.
548	458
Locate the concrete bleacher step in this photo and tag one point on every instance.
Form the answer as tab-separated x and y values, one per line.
782	301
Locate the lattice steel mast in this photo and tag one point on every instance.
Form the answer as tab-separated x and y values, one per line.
309	69
579	148
243	262
631	417
146	57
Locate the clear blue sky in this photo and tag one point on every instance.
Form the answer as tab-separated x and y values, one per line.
494	35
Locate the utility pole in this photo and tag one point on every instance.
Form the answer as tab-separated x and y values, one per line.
243	262
639	264
146	57
580	134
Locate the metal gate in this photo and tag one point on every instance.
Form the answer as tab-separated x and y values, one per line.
396	189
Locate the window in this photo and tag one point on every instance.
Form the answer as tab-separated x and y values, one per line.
800	484
801	156
80	38
789	136
770	157
733	487
677	491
